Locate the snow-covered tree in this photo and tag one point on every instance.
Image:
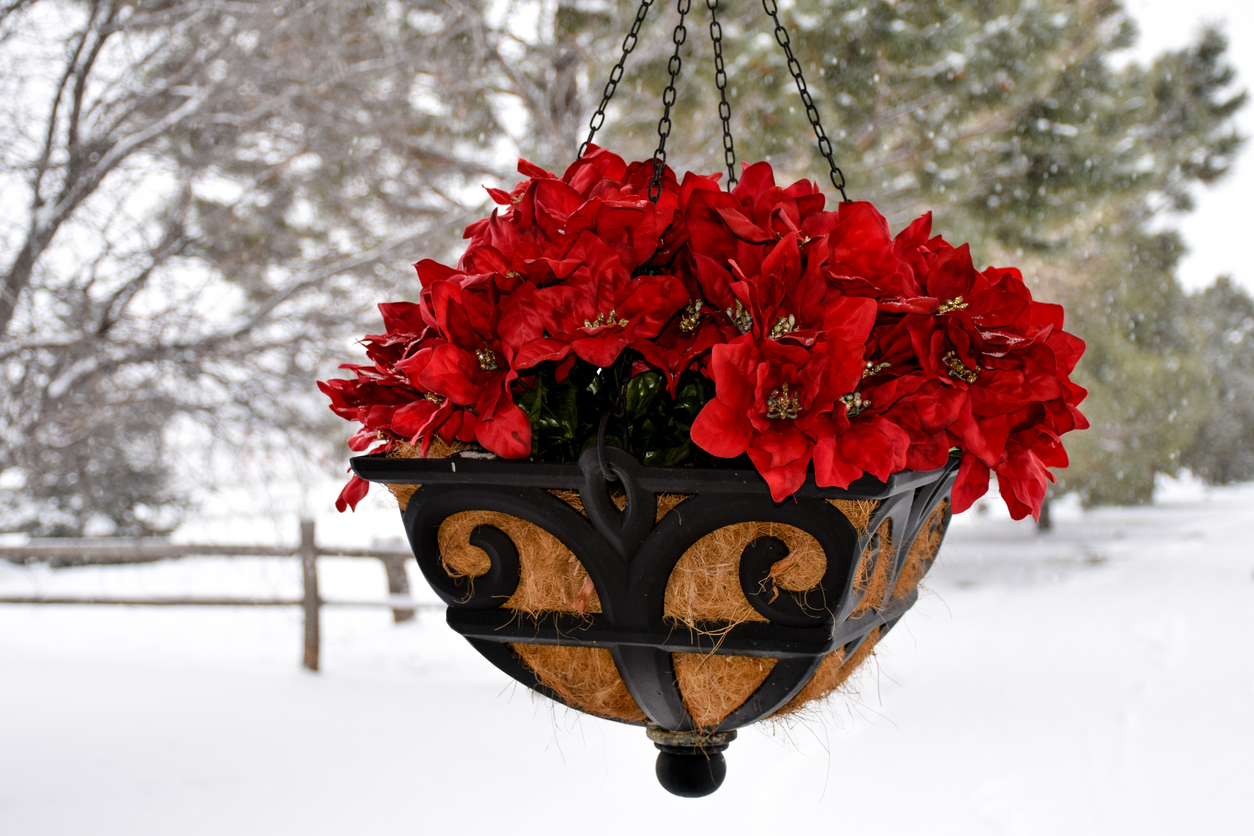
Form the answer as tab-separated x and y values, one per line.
1025	130
203	200
1222	452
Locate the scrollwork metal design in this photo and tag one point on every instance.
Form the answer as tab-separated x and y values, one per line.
630	555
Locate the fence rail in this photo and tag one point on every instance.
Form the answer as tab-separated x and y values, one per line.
126	551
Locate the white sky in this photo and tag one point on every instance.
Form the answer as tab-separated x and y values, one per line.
1215	233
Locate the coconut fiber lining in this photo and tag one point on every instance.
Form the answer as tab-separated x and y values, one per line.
874	570
832	673
551	579
705	586
922	551
857	511
702	594
584	677
713	686
835	670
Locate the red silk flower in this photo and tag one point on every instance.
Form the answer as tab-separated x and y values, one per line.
835	349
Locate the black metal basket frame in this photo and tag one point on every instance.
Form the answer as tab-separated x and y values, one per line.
630	557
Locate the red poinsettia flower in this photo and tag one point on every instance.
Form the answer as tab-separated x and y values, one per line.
599	309
917	250
871	444
787	299
767	396
469	365
685	341
720	229
922	407
829	341
773	400
862	259
598	193
779	209
738	225
376	392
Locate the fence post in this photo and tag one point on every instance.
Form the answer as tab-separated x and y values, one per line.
309	572
398	584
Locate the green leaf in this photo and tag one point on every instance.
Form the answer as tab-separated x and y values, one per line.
532	401
565	406
641	391
670	456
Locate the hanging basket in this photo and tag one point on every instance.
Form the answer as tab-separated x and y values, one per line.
677	456
681	599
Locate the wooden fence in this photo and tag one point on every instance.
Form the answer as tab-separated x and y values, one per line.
123	551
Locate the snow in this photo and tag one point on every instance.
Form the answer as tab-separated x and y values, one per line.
1094	680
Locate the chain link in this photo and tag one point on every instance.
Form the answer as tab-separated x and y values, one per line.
616	75
673	66
720	81
668	100
812	112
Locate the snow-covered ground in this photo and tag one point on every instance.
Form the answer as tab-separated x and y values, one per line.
1098	680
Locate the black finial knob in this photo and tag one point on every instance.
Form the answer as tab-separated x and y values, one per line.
690	764
692	774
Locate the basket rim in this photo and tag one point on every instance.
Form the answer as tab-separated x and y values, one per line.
525	473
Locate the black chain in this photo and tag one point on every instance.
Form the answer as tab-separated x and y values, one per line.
668	99
812	112
720	81
673	66
616	75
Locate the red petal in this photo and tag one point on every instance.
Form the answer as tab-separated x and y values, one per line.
430	272
831	469
972	483
452	373
782	457
721	431
353	492
507	433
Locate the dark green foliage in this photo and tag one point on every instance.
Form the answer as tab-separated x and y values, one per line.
1223	450
641	415
1148	387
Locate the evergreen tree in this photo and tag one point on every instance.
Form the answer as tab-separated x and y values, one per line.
1017	125
284	160
1223	450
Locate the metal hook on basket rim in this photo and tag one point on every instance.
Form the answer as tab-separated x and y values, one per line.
618	410
607	472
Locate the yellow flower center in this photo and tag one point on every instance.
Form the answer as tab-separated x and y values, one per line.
742	319
873	368
954	304
958	370
487	360
692	316
783	404
605	319
855	403
785	325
